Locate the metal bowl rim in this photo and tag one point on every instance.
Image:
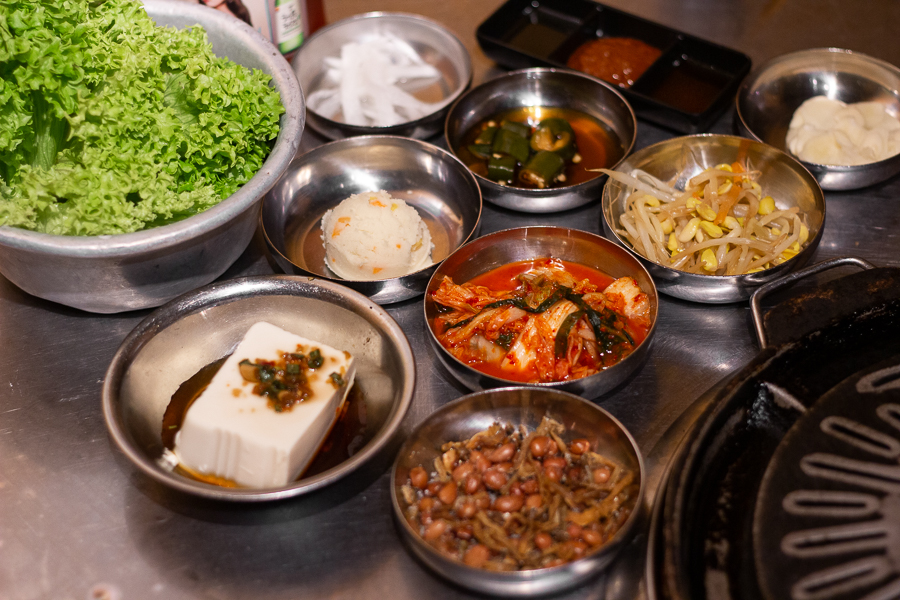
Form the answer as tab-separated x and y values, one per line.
361	130
811	244
359	141
166	236
551	385
510	577
220	294
753	77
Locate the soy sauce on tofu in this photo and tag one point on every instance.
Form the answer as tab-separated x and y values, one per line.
538	147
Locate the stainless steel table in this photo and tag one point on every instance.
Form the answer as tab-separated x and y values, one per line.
74	515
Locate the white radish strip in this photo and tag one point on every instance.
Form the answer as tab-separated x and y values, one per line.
351	105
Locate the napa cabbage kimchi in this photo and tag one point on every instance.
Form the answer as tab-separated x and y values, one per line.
541	321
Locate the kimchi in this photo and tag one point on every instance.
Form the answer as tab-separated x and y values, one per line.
541	321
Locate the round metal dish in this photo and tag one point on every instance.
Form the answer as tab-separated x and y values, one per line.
546	88
769	96
431	180
528	243
470	414
679	159
180	338
107	274
435	44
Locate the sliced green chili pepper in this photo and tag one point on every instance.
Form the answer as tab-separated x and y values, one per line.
486	136
315	359
266	374
502	169
522	129
542	169
555	135
509	142
480	150
562	334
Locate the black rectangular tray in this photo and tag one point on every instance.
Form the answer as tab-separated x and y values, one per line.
688	86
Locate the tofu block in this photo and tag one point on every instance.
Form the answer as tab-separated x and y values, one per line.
231	432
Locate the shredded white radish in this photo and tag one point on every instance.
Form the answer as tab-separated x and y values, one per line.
370	83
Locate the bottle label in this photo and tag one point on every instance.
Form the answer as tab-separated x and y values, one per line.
288	25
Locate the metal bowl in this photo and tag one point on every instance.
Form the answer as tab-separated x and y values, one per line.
434	43
107	274
769	96
431	180
178	339
528	243
679	159
557	88
470	414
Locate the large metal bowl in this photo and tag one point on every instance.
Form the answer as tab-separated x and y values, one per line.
557	88
178	339
434	43
679	159
528	243
470	414
429	179
107	274
769	96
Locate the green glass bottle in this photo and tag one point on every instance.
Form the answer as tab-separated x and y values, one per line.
288	25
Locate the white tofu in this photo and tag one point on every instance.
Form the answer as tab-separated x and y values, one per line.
233	433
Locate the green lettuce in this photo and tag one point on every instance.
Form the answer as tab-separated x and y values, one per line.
110	124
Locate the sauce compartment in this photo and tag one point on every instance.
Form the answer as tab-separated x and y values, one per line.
685	89
522	33
695	78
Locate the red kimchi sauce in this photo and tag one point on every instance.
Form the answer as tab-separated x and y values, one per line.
620	61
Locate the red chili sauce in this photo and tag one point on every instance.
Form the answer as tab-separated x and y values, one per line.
619	61
504	279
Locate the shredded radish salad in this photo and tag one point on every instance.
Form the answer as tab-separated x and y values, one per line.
373	82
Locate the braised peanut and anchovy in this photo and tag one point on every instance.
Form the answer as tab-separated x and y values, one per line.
509	500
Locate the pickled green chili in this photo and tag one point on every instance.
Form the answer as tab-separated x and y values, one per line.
481	150
486	137
520	129
518	154
502	168
554	135
542	169
511	143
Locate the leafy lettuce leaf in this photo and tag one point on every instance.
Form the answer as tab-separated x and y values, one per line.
110	124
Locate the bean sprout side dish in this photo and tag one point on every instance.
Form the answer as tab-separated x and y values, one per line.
720	224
